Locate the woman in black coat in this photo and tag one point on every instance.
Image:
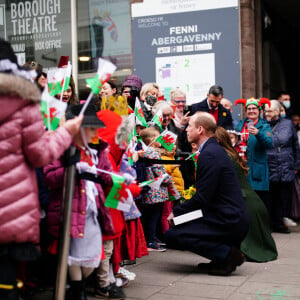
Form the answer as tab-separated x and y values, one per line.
284	162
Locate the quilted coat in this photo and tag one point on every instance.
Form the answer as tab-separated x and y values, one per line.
284	156
54	179
24	146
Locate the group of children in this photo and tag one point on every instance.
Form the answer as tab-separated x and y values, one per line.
103	239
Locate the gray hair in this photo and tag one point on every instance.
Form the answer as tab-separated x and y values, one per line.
161	105
275	105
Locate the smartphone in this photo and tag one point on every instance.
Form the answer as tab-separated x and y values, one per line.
186	109
250	124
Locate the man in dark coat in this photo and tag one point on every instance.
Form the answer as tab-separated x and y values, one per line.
218	234
213	106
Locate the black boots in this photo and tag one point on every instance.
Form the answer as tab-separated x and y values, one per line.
77	291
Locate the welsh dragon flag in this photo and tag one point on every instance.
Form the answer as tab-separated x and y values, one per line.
139	115
158	119
52	110
105	70
59	79
194	157
119	196
167	139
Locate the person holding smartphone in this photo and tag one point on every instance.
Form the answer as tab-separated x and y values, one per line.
256	139
181	110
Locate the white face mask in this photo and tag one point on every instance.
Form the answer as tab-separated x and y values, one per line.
287	104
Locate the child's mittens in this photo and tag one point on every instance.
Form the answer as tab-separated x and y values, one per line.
128	178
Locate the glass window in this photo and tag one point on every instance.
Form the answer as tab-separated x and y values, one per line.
38	30
104	30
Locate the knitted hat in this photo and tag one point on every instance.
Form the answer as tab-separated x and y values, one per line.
133	80
9	62
90	118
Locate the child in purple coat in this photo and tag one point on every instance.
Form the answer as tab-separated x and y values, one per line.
86	235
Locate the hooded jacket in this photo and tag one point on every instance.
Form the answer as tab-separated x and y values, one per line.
24	146
54	178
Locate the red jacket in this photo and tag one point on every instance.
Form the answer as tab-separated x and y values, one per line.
24	145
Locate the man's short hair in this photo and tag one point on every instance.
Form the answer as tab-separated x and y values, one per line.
216	90
207	121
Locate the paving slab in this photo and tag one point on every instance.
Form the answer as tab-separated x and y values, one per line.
173	275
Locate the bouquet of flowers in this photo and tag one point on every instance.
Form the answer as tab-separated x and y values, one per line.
188	194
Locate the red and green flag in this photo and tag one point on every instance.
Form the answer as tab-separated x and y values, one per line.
167	139
155	183
158	119
119	196
52	110
139	114
59	79
105	70
194	157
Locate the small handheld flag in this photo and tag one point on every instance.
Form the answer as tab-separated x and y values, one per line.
104	72
59	79
139	114
167	139
119	196
158	119
52	110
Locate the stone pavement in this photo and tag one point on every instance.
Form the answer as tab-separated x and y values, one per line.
172	275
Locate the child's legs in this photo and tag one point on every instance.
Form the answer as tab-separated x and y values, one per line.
75	273
102	273
166	210
151	218
8	270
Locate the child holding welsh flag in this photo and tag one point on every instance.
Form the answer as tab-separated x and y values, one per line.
88	201
154	199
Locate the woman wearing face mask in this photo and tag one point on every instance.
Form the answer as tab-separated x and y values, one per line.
149	94
284	162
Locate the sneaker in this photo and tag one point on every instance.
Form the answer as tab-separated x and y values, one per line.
111	291
122	282
124	273
155	247
289	223
160	243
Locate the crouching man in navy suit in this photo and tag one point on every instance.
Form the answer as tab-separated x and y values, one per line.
218	234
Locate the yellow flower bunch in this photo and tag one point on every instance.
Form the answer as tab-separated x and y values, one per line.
188	194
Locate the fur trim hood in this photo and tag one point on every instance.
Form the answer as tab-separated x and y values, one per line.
16	92
20	87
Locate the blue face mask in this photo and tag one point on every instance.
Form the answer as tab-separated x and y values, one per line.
282	115
287	104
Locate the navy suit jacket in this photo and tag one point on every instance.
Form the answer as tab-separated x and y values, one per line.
224	115
218	192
